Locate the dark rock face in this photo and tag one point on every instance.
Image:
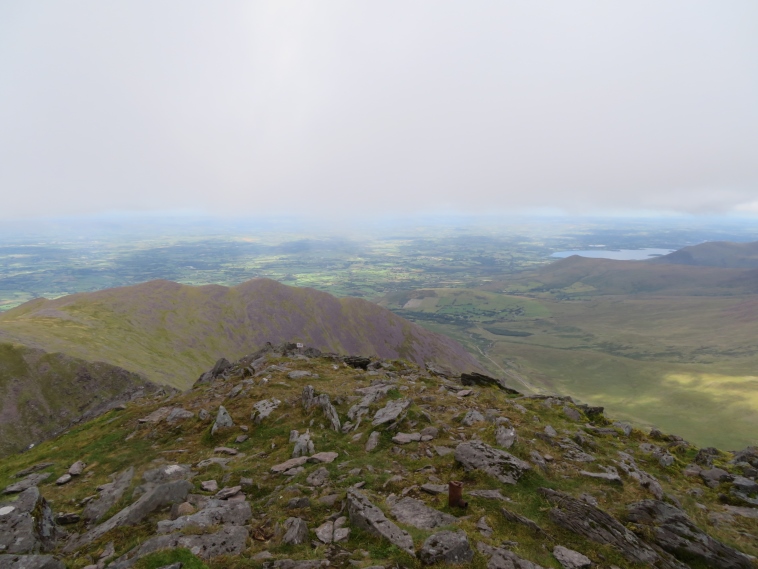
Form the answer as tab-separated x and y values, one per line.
504	466
358	362
446	547
27	524
486	381
675	532
600	527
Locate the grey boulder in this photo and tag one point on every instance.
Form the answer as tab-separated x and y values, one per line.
77	468
570	559
373	441
296	531
417	514
472	417
223	420
505	436
504	466
446	547
391	411
27	525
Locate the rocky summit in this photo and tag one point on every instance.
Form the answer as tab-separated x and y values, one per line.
293	459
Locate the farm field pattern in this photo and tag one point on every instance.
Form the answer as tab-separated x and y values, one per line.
683	359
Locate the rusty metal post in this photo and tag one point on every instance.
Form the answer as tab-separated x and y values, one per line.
455	494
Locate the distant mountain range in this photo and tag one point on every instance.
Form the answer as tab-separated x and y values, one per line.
166	333
718	267
723	254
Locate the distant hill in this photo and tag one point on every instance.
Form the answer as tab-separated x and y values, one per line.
605	276
170	332
723	254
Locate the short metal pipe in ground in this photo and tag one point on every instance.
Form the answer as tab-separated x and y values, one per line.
455	494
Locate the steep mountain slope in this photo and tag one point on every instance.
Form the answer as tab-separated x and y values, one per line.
170	333
724	254
42	393
341	467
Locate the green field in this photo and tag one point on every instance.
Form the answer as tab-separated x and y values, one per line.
685	364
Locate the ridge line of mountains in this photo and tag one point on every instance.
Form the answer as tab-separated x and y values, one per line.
67	358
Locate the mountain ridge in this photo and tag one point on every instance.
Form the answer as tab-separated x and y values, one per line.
170	332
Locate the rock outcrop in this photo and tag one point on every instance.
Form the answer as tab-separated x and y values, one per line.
368	517
500	464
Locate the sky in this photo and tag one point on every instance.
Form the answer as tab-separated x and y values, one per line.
357	109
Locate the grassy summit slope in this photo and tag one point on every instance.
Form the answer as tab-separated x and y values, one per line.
561	441
170	333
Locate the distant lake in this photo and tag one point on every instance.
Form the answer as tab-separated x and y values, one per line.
618	255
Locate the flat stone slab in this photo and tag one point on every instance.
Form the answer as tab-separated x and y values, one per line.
489	494
179	414
391	411
97	508
287	464
443	451
299	374
323	457
264	408
229	540
26	483
504	466
611	477
570	559
366	516
434	488
417	514
215	513
405	438
30	562
156	416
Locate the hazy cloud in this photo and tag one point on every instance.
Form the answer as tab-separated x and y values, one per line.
236	107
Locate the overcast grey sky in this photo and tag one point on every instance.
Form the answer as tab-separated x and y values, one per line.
407	106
